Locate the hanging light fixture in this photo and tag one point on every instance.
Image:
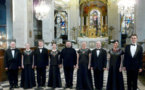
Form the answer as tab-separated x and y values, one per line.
41	9
126	6
66	0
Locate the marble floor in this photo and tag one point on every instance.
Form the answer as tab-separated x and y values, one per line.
5	85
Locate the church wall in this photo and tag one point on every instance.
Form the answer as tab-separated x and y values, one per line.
22	22
140	20
48	26
114	20
73	17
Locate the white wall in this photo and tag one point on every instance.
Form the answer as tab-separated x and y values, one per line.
22	22
114	20
140	20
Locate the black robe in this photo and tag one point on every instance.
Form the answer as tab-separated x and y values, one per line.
115	77
27	75
84	77
54	71
68	58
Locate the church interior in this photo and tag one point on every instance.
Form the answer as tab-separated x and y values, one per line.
27	21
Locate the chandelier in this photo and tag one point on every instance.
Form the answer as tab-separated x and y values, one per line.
41	9
126	6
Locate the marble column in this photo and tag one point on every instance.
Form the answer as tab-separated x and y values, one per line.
22	22
9	18
48	26
73	16
114	20
140	20
30	31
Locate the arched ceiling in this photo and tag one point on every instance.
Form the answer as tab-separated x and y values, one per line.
93	1
61	4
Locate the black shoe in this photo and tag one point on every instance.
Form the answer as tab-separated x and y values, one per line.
16	86
98	89
66	87
70	87
43	85
11	88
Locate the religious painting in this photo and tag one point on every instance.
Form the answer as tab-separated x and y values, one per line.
60	24
3	37
95	20
3	34
127	26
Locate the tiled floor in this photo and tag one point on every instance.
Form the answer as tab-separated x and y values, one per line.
5	85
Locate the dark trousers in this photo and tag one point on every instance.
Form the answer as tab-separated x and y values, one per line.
13	77
68	72
132	76
98	77
41	76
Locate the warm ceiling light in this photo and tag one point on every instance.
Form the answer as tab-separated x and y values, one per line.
66	0
126	6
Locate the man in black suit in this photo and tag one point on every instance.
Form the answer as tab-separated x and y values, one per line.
68	58
12	62
41	63
133	62
98	64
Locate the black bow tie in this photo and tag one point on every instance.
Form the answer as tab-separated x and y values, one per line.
12	49
133	44
97	49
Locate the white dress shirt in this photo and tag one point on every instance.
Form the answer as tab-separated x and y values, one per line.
40	48
133	49
13	53
98	52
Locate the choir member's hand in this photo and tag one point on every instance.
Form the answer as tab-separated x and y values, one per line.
46	67
22	66
140	70
6	69
104	69
77	67
124	68
19	67
120	69
91	68
60	66
74	66
35	67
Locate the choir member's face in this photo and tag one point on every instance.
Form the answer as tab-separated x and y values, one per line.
98	44
54	46
84	45
134	39
40	44
27	46
13	45
68	44
115	45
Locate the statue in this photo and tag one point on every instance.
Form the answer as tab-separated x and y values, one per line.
130	30
58	26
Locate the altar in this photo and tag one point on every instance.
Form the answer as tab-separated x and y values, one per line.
91	42
94	25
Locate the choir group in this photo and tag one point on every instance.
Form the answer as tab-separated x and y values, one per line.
84	60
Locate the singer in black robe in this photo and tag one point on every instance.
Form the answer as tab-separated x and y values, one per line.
27	75
115	77
54	71
68	59
84	78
